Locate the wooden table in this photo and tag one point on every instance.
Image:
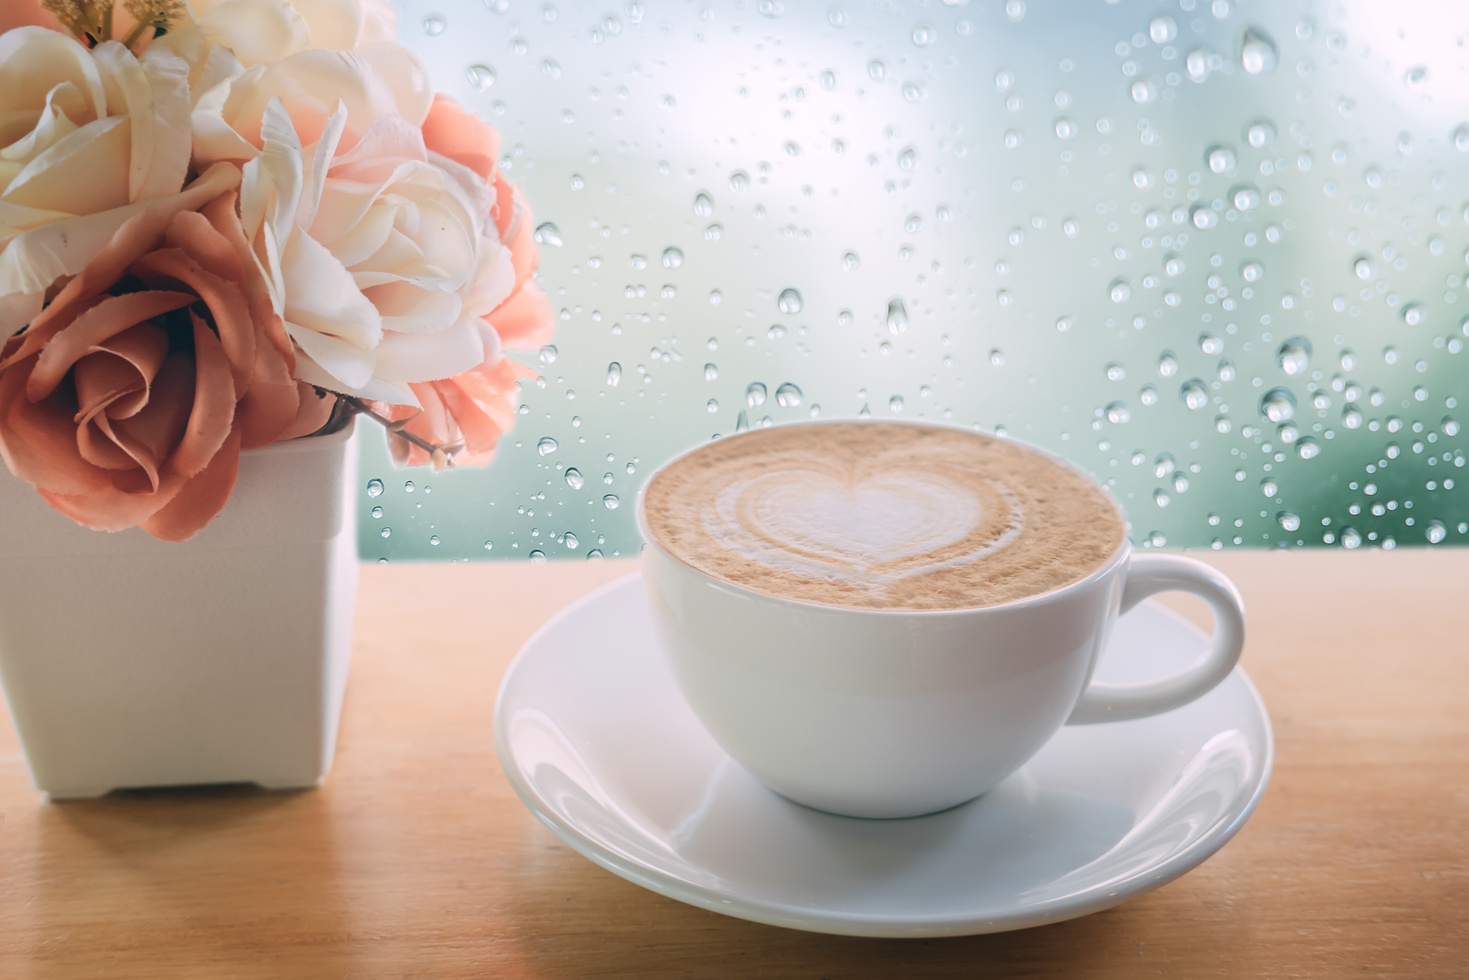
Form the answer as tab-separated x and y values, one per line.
417	860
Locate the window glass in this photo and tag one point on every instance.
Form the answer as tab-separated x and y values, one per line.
1213	252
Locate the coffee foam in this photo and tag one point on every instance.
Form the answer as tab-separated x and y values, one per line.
879	515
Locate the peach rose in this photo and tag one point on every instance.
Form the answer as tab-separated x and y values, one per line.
129	398
474	408
88	140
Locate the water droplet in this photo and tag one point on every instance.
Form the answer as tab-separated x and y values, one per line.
1350	538
1414	314
408	486
574	478
1294	356
711	372
480	76
923	35
1119	290
1142	179
913	223
551	68
1257	54
1173	265
1161	498
547	354
1065	128
788	395
755	394
1246	198
1278	405
1015	9
1308	448
1144	91
1351	417
433	25
1167	364
876	70
433	539
546	446
711	406
739	180
1288	521
1435	532
611	501
1260	134
997	357
789	301
851	261
548	234
908	158
828	81
377	513
1116	372
672	257
895	404
1269	487
1117	413
1198	64
1461	138
386	532
1163	465
897	316
1148	395
1193	394
703	205
614	374
1163	29
1064	323
1203	217
1449	426
374	487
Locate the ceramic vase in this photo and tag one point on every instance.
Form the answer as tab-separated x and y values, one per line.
129	662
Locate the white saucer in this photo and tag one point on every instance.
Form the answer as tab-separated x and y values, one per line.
599	743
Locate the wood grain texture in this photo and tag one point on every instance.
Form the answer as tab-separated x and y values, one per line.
415	859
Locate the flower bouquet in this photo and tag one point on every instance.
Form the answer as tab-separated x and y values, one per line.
225	227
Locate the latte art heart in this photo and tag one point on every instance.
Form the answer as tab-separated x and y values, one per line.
884	527
881	515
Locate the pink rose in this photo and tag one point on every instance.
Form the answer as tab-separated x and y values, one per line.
128	399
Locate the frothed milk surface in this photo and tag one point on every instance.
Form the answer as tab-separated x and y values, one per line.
884	516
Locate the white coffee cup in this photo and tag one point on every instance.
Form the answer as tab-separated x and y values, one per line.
895	712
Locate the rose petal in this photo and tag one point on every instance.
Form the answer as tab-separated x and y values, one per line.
83	173
460	135
35	60
38	439
199	500
100	323
115	376
259	32
429	357
524	321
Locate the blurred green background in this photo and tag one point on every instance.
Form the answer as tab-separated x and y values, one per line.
1213	252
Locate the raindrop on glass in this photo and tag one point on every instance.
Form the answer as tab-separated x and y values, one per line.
851	261
897	316
1117	413
755	394
546	446
574	478
1163	29
788	395
1119	290
672	257
374	487
480	76
1294	356
1257	53
611	501
433	25
1260	135
703	205
614	374
789	301
1288	521
1414	314
908	158
1193	394
1278	405
895	404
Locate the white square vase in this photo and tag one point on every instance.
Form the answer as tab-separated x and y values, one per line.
128	661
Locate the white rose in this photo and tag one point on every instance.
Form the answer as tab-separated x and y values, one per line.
373	251
88	139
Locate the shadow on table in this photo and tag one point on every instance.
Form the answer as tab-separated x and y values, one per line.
184	882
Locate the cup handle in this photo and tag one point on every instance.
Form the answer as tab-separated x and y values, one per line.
1146	575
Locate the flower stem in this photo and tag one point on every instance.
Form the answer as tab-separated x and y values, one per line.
440	454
